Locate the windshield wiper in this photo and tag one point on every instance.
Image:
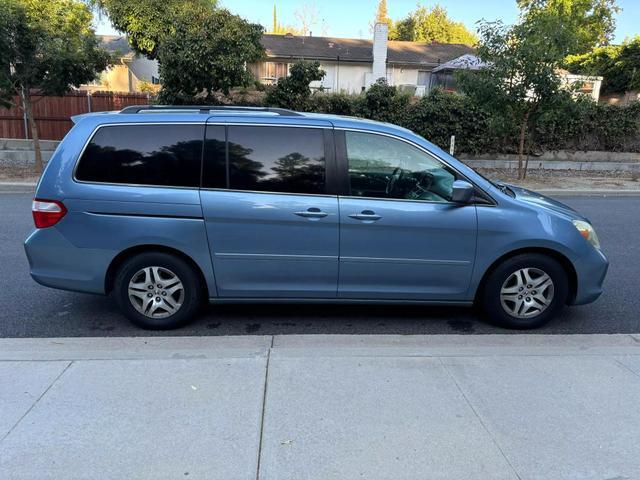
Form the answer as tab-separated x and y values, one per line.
504	189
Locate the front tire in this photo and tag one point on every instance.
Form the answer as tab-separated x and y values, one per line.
525	291
157	291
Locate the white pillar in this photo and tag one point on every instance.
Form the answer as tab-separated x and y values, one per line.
380	38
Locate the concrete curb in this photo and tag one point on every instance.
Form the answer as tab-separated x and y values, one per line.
18	184
132	348
589	193
17	187
200	348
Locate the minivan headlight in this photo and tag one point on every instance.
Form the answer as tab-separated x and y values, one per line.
587	231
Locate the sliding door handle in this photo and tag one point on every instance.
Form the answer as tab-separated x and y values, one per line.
312	213
365	215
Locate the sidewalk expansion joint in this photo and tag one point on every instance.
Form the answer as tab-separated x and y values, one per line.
484	426
264	407
626	368
37	401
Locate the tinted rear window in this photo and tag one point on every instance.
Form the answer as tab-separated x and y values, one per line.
163	155
276	159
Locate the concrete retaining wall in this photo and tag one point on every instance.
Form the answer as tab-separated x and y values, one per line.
562	160
563	155
20	153
14	152
536	164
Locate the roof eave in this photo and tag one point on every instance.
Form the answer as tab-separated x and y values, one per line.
352	60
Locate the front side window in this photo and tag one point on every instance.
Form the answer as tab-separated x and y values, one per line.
384	167
159	155
276	159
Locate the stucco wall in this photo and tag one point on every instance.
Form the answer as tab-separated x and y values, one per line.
405	76
114	79
344	77
143	68
352	77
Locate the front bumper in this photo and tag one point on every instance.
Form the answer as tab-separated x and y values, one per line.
591	270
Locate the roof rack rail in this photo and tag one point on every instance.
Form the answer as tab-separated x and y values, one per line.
207	109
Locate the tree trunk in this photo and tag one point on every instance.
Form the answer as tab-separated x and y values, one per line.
523	134
28	110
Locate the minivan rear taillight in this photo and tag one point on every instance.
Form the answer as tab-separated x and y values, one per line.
46	213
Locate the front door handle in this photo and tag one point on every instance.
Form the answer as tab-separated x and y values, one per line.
312	213
366	215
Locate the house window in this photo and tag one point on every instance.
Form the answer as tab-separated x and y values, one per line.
445	79
275	70
155	80
423	77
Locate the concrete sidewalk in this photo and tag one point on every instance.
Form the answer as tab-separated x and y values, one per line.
321	407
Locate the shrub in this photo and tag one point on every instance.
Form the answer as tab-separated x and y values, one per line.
586	125
567	124
293	91
382	102
440	115
334	103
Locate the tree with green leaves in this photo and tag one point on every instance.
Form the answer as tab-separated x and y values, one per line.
206	52
618	64
520	81
294	91
146	21
46	46
591	22
431	25
201	49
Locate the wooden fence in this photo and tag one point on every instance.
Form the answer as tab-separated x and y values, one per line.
53	114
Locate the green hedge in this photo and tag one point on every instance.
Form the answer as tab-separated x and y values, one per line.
572	125
585	125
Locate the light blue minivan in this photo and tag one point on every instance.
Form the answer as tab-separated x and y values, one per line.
165	207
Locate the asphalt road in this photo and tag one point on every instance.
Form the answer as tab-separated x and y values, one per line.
30	310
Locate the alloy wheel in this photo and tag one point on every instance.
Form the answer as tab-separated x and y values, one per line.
156	292
526	293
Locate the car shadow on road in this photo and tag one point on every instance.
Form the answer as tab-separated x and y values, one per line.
273	319
76	315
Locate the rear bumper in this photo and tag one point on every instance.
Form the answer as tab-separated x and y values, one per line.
591	271
57	263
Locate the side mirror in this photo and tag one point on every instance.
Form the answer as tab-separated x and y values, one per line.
462	192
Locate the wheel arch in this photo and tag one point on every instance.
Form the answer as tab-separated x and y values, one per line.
566	264
130	252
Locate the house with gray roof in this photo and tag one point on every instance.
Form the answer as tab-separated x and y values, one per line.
352	65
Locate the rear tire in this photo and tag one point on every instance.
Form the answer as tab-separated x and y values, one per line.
157	291
525	291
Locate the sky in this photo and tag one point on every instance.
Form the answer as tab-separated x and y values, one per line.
351	18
